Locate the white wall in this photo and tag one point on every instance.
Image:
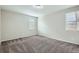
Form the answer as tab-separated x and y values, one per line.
53	26
0	24
15	25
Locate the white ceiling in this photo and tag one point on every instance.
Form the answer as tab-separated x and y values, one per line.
28	9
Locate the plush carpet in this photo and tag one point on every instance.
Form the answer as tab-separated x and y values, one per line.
38	44
1	51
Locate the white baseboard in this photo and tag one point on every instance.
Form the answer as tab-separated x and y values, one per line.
60	39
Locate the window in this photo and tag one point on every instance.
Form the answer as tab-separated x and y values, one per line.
71	21
32	23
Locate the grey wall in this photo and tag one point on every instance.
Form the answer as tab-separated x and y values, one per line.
53	26
0	24
16	25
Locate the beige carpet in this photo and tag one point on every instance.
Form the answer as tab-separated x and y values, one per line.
38	44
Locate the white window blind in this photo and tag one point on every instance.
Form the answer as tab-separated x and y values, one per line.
71	21
32	23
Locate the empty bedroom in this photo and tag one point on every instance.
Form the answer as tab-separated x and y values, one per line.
39	29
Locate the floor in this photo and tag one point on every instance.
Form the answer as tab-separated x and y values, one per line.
38	44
